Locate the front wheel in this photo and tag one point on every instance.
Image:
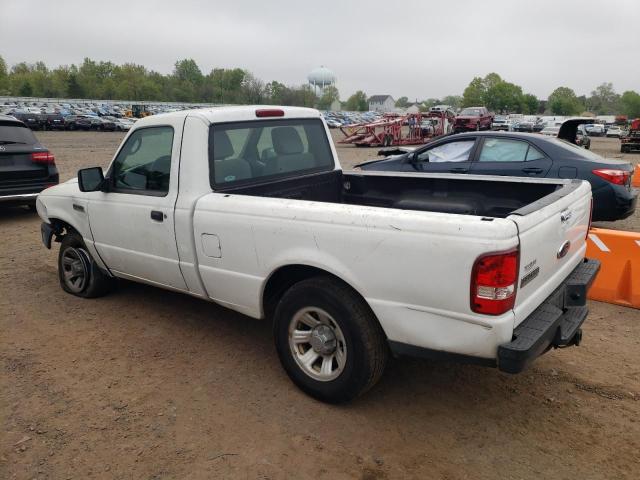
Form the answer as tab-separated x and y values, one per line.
328	340
78	273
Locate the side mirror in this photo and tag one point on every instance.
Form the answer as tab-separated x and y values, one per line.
90	179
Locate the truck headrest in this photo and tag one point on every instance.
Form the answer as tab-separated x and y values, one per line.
286	141
222	147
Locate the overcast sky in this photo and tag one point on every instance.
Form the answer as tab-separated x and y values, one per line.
419	49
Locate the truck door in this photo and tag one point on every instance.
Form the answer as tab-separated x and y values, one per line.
510	156
133	222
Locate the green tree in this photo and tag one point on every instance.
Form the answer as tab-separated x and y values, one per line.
357	102
454	101
253	90
330	94
604	100
475	93
491	80
530	104
26	90
563	101
402	102
4	80
630	104
504	97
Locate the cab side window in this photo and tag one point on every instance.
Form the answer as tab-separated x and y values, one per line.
143	165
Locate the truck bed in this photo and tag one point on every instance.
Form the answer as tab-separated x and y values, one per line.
458	194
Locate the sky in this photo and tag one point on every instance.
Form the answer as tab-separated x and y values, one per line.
419	49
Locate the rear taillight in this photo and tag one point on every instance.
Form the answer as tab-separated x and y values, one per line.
43	157
494	282
618	177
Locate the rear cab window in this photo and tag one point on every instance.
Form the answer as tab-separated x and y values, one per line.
248	152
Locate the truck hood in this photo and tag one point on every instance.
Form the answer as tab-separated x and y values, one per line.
65	188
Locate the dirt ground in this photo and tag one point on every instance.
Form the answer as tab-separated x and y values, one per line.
150	384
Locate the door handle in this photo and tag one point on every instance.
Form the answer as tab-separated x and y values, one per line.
157	215
459	170
532	170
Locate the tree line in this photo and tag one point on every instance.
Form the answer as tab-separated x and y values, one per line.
501	96
187	83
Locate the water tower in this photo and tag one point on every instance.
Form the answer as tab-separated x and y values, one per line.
321	77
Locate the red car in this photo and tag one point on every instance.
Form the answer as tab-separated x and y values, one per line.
473	118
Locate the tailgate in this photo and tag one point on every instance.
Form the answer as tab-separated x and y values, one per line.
552	233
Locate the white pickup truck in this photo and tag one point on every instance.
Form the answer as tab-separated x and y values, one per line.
248	207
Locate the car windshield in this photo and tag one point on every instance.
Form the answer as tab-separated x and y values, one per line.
11	132
473	112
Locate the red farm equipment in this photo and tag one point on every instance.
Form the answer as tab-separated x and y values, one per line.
410	129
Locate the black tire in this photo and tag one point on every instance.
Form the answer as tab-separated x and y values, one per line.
365	346
96	283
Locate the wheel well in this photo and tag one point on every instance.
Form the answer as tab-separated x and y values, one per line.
62	228
284	278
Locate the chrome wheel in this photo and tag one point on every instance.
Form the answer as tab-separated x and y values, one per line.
317	344
75	269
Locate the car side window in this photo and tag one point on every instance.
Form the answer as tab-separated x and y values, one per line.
144	162
534	154
504	150
448	152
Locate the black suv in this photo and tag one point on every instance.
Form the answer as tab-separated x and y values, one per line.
26	167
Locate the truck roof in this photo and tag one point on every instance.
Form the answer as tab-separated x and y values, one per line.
230	114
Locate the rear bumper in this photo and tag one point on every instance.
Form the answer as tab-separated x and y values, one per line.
555	323
614	202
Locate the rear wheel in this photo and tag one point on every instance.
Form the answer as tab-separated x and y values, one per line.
78	273
328	340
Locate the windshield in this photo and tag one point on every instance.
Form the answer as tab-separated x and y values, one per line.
471	112
16	133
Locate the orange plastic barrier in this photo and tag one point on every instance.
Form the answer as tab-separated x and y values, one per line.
635	182
619	278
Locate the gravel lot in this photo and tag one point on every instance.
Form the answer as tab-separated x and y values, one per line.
146	383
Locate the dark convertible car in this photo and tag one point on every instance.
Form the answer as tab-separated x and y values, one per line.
26	167
522	155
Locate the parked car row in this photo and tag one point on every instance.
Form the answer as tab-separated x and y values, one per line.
57	121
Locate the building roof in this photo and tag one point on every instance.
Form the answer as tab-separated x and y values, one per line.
379	98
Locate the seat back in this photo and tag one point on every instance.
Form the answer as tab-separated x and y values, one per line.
227	169
289	152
